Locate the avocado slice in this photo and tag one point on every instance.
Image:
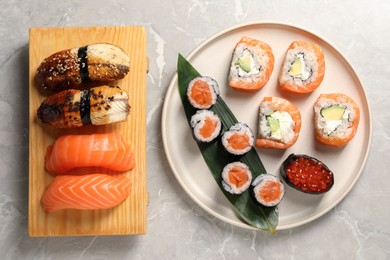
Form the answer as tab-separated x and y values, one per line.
297	67
273	124
244	63
334	112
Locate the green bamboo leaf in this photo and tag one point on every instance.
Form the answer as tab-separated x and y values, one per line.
216	156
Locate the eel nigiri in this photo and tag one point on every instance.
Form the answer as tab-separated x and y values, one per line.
303	68
279	123
336	119
72	68
251	66
106	150
76	108
91	191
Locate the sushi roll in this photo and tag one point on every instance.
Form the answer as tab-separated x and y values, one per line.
279	123
236	177
303	68
267	190
206	125
238	139
251	65
336	119
202	92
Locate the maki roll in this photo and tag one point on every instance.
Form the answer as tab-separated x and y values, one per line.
267	190
303	68
236	177
336	119
251	66
206	125
279	123
202	92
238	139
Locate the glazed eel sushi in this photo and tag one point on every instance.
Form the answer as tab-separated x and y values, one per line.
303	68
76	108
336	119
251	65
279	123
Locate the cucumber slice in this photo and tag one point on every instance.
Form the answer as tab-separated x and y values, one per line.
334	112
273	124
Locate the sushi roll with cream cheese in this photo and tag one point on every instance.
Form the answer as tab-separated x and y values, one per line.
251	65
336	119
238	139
206	125
236	177
303	68
267	190
279	123
202	92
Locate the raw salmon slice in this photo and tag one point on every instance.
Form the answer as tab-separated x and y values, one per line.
92	191
107	150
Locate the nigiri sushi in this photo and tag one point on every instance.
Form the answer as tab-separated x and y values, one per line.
251	65
202	92
238	139
91	191
76	108
336	119
279	123
303	68
107	150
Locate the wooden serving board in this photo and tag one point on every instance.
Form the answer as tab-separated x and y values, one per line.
130	216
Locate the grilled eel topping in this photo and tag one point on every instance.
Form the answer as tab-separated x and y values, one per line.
101	63
75	108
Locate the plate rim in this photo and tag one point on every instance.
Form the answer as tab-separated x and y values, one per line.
171	88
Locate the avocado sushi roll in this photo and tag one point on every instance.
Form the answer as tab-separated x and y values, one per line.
238	139
279	123
206	125
251	65
202	92
303	68
336	119
236	177
267	190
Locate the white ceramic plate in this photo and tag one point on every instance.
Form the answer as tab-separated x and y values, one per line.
212	58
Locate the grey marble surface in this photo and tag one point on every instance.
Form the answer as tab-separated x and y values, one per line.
357	228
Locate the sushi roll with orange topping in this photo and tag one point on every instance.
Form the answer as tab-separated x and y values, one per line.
268	190
202	92
303	68
279	123
236	177
206	125
251	66
238	139
336	119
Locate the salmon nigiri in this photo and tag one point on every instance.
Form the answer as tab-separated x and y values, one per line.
303	68
106	150
251	66
279	123
91	191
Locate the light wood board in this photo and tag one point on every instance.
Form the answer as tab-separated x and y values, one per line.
130	216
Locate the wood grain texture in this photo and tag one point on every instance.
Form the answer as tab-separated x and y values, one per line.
130	216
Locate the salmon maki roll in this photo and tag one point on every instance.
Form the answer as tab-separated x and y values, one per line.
206	125
87	192
238	139
107	150
279	123
336	119
303	68
268	190
236	177
202	92
251	65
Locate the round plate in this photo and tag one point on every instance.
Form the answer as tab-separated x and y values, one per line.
212	58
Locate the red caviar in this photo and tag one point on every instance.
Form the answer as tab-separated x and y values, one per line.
309	175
